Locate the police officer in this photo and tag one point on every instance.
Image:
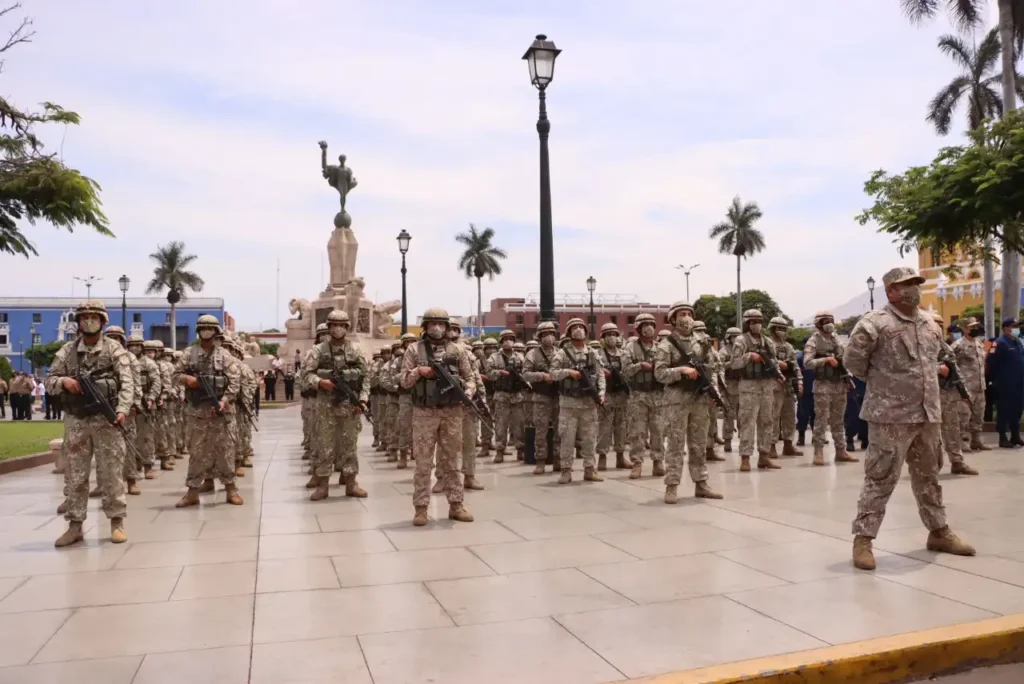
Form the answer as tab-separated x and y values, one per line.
756	389
537	371
581	388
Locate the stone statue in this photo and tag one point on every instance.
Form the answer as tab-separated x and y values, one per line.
302	307
341	179
382	317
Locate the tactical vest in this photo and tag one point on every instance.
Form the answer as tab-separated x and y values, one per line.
434	392
684	383
146	376
616	383
212	368
754	370
827	348
488	383
106	379
643	380
569	387
396	371
507	383
547	389
328	363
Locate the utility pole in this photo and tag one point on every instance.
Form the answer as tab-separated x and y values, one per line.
88	280
686	272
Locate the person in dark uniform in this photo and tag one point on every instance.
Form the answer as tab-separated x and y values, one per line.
855	427
990	388
289	386
1006	368
804	409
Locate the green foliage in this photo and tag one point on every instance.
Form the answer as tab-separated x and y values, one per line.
719	321
170	271
41	355
978	312
271	330
28	437
796	337
6	371
269	348
845	326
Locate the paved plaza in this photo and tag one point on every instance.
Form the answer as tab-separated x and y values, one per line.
589	582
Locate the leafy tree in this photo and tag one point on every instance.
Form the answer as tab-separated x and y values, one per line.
41	355
36	185
738	236
718	313
479	259
269	348
796	337
6	371
271	330
845	327
170	272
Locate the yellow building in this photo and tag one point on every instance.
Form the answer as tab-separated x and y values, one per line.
950	293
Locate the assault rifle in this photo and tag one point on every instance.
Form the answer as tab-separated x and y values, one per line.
704	384
516	375
844	374
94	396
441	371
209	393
243	408
342	391
588	386
767	354
955	378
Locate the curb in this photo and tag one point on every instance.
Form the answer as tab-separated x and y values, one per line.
887	660
13	465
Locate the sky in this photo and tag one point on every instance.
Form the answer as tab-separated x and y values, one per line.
200	120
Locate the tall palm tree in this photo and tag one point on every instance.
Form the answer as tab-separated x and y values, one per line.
170	273
479	259
976	82
737	235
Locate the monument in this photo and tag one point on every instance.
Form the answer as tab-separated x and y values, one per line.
344	290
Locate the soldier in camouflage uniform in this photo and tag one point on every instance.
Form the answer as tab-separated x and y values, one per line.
732	386
611	431
508	396
950	403
784	404
132	466
470	422
151	388
537	371
339	418
389	381
308	397
895	350
646	399
374	403
153	350
970	357
437	414
700	329
403	414
212	430
88	433
576	367
520	348
380	401
487	431
756	390
686	408
180	415
169	408
823	354
244	401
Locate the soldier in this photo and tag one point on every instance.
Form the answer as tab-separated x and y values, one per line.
151	387
374	402
732	387
686	408
970	356
437	414
487	431
949	400
132	466
212	380
380	400
822	354
612	428
389	381
700	330
403	412
756	390
646	400
88	433
470	422
529	431
537	371
502	368
338	417
169	408
243	425
180	415
153	349
895	350
784	402
581	388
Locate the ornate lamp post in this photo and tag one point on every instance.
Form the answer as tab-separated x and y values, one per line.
591	286
871	291
403	247
540	57
123	282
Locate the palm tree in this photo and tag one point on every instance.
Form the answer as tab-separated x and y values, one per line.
479	259
170	272
737	235
976	82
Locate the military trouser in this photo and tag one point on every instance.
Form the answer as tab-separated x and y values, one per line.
977	414
487	430
306	412
645	423
470	429
403	424
391	423
545	415
729	422
577	418
375	402
243	448
784	413
183	430
829	411
132	465
87	439
891	445
755	415
437	431
337	433
712	424
173	433
612	423
951	437
145	439
160	434
508	421
686	425
212	449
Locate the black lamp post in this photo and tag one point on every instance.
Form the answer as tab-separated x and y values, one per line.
124	282
403	247
21	356
871	291
541	59
31	346
591	286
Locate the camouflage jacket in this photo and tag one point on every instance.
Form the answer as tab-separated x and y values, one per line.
106	352
208	362
668	364
410	364
970	357
564	361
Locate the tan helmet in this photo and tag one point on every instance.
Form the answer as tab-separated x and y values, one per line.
595	344
491	342
436	315
732	331
454	325
396	346
778	322
664	333
573	322
407	337
820	317
564	340
114	331
376	354
136	340
677	307
643	318
700	326
532	344
153	344
545	326
751	315
338	316
386	349
609	328
506	333
477	344
178	354
93	306
208	321
632	338
519	347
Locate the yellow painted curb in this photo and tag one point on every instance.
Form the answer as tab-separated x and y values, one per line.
877	661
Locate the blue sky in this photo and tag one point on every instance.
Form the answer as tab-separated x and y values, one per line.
200	121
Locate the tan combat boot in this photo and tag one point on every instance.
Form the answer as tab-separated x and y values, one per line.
590	475
621	462
471	483
247	462
63	508
819	456
352	488
72	536
566	477
703	491
96	492
207	486
166	465
133	488
233	497
789	450
772	452
321	490
764	462
148	473
711	455
843	456
403	459
744	464
117	535
238	471
863	558
191	498
671	494
602	462
438	487
420	518
728	446
539	468
637	470
499	456
962	469
456	511
313	481
944	541
977	444
392	455
659	469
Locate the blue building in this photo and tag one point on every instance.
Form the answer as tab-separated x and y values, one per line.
28	321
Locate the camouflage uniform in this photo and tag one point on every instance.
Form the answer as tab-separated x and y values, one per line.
829	389
732	386
374	401
179	416
970	357
645	400
508	398
390	380
470	427
308	397
403	414
521	350
248	384
487	431
577	408
168	410
714	369
757	393
152	387
612	421
951	402
132	464
536	370
784	401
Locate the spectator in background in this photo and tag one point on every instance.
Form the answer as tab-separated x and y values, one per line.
805	408
270	385
36	393
953	334
3	398
289	386
256	394
17	392
298	360
990	387
1006	368
55	406
855	427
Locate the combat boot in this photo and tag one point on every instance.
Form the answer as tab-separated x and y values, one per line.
233	497
403	459
744	464
863	557
470	482
147	473
392	455
166	465
191	498
977	444
728	446
352	488
519	454
456	511
602	462
844	457
420	518
499	456
322	489
117	535
133	488
764	462
703	491
711	455
539	468
789	450
621	462
207	486
238	471
849	444
306	456
671	494
962	469
376	443
484	452
313	482
247	462
659	469
590	475
800	439
566	477
71	536
438	487
63	508
819	456
772	451
96	492
637	470
944	541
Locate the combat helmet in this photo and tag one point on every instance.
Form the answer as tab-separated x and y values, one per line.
396	346
573	322
732	331
677	307
519	347
208	321
320	330
821	316
751	315
594	344
407	337
93	306
506	333
338	316
532	344
156	345
662	334
115	331
544	328
700	326
436	315
778	322
477	344
491	342
136	340
642	319
609	328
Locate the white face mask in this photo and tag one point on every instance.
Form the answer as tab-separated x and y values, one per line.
206	334
578	333
507	345
755	328
548	340
338	331
90	325
454	334
829	328
612	341
647	331
684	324
435	331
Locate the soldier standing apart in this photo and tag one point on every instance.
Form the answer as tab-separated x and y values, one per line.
151	388
700	330
132	466
784	403
88	433
686	411
970	356
581	388
537	371
645	400
508	396
437	414
732	386
206	370
611	431
822	354
895	350
338	417
756	390
949	400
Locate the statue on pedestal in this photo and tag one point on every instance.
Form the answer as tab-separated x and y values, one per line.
340	178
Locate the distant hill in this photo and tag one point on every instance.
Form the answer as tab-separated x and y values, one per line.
860	304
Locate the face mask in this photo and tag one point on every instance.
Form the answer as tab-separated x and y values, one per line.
957	336
136	350
507	345
647	331
90	326
453	334
206	334
910	295
780	333
1016	332
578	333
151	354
755	328
684	324
612	341
829	328
435	331
974	332
547	340
338	332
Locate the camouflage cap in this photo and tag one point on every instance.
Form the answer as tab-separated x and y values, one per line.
969	322
901	274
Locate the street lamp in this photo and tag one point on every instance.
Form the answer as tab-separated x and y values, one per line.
88	280
403	247
871	291
124	282
686	272
591	286
31	346
540	57
21	356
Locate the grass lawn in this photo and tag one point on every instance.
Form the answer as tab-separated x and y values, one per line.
22	438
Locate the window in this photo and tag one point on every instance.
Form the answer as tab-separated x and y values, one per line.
519	319
167	317
3	316
37	318
37	338
615	319
3	340
137	318
630	320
